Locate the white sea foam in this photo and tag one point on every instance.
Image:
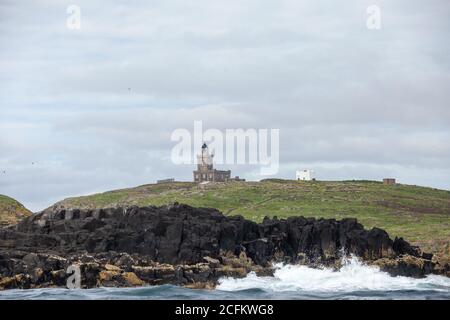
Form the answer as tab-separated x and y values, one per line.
353	276
354	280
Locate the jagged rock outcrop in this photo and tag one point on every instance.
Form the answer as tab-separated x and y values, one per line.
184	245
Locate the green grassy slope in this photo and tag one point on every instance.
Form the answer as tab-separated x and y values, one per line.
11	211
420	215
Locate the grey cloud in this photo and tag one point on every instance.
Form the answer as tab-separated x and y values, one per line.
350	103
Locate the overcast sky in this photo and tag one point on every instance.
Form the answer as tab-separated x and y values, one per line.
91	110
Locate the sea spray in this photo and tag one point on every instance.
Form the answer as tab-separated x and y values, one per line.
354	280
354	275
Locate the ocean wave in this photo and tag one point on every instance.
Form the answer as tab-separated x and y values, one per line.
355	280
353	276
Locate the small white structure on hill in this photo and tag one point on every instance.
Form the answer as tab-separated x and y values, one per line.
305	175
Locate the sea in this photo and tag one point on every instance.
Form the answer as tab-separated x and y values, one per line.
355	280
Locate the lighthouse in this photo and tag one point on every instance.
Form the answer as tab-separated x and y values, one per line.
205	170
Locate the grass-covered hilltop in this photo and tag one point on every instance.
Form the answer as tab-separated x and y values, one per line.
420	215
11	211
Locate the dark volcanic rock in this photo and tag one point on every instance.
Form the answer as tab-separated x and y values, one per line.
180	234
173	242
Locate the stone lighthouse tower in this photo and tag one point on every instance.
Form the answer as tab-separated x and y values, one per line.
205	159
205	170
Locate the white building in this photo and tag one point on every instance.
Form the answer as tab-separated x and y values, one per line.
305	175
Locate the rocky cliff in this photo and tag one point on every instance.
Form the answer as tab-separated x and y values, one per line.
11	211
183	245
